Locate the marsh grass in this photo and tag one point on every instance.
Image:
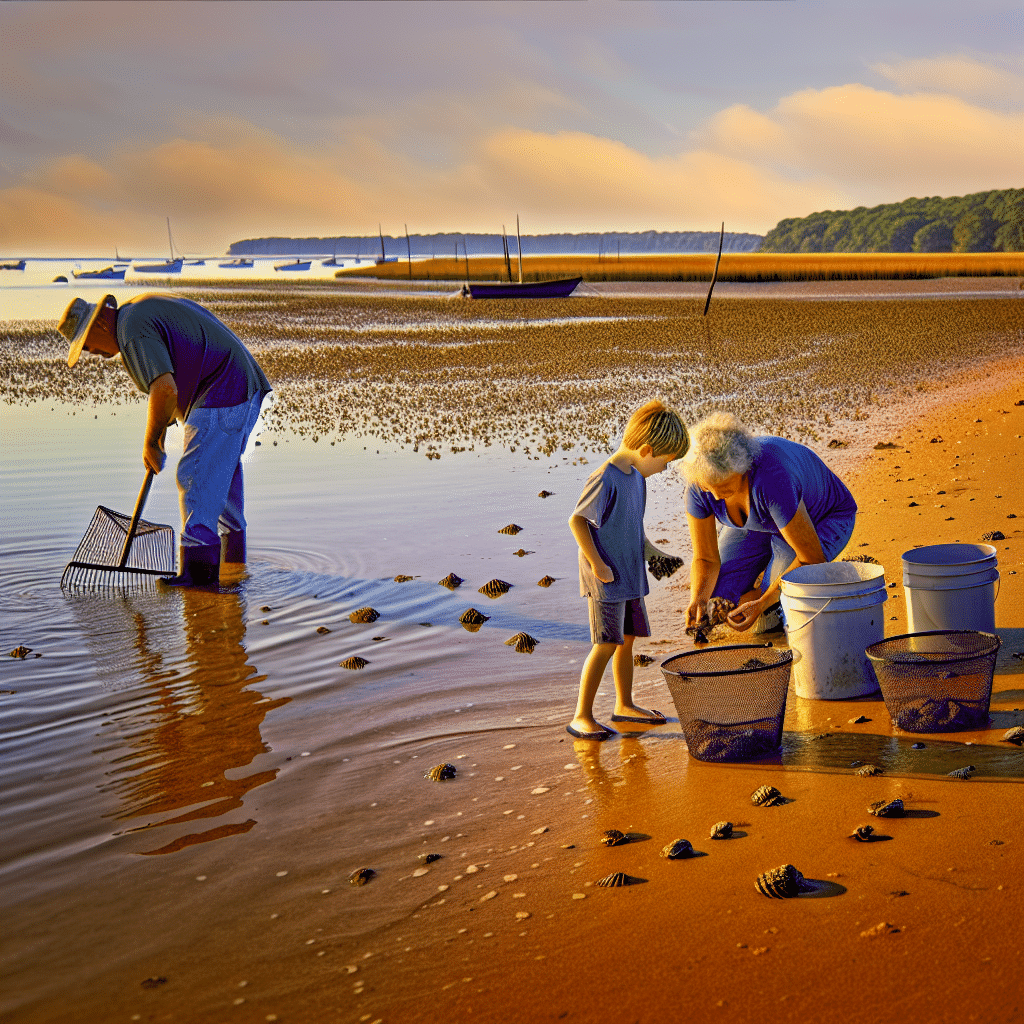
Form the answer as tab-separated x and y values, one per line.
739	267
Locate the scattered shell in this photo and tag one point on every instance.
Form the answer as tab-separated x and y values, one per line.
994	535
440	772
614	880
883	928
522	642
781	883
21	652
495	588
863	833
721	830
961	773
361	876
866	770
266	608
403	579
613	837
322	629
545	494
752	663
546	581
364	615
378	639
642	660
1014	735
354	662
428	858
766	796
917	746
153	982
679	850
511	529
859	720
522	552
866	559
719	609
662	566
887	808
451	581
472	617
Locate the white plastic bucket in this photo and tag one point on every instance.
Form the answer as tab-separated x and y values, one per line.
833	611
951	586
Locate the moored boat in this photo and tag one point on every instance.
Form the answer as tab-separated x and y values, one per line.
106	274
241	263
168	267
13	265
294	265
527	290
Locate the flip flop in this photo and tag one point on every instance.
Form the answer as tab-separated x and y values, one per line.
660	720
602	735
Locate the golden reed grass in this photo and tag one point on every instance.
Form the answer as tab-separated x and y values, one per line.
739	267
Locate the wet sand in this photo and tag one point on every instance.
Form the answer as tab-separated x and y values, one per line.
267	927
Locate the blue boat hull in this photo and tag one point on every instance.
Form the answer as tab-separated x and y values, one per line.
531	290
170	267
106	274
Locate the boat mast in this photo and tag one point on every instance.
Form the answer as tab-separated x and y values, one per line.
170	241
520	241
381	233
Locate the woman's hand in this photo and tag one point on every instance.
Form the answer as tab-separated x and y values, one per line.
695	613
744	616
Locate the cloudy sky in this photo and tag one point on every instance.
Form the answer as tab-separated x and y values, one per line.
241	119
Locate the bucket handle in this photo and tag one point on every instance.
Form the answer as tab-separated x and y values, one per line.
813	617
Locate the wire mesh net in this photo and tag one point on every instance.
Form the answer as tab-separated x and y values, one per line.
96	560
730	700
938	681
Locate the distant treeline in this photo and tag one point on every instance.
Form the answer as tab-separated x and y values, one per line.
610	243
982	222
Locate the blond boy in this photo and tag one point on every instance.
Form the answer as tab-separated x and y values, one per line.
609	529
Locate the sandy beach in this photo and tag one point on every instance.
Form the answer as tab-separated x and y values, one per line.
508	923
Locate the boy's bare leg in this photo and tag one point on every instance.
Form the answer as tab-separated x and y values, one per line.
622	674
590	682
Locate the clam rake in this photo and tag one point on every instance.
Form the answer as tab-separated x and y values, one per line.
121	551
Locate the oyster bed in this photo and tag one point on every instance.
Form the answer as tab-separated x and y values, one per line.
433	374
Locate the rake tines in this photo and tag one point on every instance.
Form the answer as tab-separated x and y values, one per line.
120	551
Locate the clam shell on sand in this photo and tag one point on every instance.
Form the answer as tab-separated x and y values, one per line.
471	617
354	662
863	833
1014	735
613	837
440	772
781	883
361	876
887	808
614	880
364	615
451	581
662	566
721	830
679	850
511	530
642	660
766	796
522	642
495	588
546	581
866	770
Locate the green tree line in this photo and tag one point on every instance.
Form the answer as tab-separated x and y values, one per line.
981	222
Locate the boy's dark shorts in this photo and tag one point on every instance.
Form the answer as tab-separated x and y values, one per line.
612	621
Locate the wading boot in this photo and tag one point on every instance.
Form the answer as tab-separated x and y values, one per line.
200	567
232	546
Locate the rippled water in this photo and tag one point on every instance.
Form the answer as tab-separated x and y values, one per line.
153	719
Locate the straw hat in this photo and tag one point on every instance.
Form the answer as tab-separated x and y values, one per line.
78	320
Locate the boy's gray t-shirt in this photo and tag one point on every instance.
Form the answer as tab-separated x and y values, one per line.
613	503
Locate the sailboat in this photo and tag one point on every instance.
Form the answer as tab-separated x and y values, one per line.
239	263
172	266
518	290
106	274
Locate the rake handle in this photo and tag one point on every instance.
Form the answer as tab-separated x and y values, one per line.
136	516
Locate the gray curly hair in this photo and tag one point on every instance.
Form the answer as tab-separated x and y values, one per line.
720	446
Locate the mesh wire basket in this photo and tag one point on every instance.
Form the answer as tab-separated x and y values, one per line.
938	681
730	700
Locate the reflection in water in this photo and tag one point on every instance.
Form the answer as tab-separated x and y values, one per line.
630	771
196	723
